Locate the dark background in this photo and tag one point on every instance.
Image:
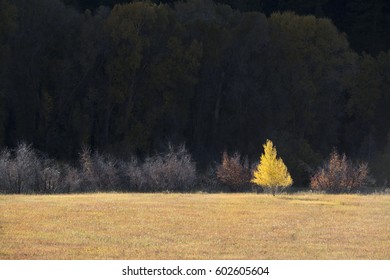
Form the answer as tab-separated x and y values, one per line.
366	22
128	79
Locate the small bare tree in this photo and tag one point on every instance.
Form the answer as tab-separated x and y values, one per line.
50	175
234	172
5	175
72	179
134	179
340	175
172	171
99	172
24	169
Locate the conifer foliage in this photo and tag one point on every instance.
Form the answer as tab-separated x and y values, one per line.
271	173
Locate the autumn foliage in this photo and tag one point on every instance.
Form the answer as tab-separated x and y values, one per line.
234	172
339	175
271	173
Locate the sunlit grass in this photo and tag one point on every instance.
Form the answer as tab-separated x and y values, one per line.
195	226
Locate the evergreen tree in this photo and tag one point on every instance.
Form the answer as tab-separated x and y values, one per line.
271	173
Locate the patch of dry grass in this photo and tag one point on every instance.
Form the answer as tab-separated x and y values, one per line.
195	226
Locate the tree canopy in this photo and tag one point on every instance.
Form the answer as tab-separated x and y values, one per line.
128	77
271	173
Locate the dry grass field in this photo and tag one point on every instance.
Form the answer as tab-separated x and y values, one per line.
194	226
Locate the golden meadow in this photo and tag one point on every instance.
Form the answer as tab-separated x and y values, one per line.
194	226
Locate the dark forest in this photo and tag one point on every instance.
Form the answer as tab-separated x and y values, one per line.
127	79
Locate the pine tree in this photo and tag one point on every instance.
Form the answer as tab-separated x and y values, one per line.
271	173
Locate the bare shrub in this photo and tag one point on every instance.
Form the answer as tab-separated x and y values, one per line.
87	171
5	165
172	171
72	180
208	180
234	172
153	172
134	179
23	170
50	175
106	168
99	172
340	175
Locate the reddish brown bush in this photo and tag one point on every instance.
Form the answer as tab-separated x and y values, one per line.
340	175
234	172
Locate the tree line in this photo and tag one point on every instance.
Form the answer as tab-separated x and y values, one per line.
129	79
366	22
25	170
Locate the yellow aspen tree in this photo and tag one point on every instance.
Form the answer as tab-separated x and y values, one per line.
271	173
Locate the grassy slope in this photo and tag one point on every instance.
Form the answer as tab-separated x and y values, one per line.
195	226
